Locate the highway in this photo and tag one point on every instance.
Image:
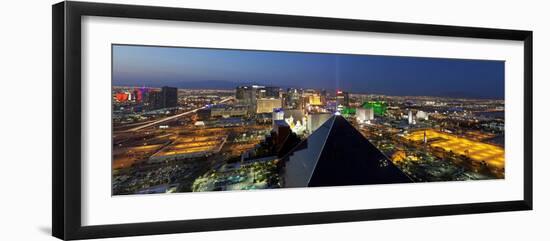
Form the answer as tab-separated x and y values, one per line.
174	116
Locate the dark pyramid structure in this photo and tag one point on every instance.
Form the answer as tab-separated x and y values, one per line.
336	154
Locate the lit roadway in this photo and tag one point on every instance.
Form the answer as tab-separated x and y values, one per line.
174	116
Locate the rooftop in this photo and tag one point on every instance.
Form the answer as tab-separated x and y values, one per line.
336	154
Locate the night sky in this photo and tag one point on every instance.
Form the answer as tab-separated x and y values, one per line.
224	69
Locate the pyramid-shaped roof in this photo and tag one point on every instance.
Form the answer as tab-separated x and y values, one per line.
336	154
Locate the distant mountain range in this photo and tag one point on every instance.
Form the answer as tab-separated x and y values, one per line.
209	84
205	84
229	85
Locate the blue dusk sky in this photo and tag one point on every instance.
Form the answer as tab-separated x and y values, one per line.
225	69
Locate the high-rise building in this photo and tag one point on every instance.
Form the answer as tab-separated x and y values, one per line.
240	92
315	120
277	115
267	105
365	114
410	118
311	97
246	95
293	99
369	113
137	95
166	98
324	96
154	100
342	98
144	94
272	92
421	115
169	97
314	100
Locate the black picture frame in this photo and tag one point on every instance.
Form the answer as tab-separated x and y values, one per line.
66	75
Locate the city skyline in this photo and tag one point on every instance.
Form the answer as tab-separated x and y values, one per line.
282	119
197	68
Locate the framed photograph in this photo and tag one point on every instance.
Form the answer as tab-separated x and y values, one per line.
169	120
